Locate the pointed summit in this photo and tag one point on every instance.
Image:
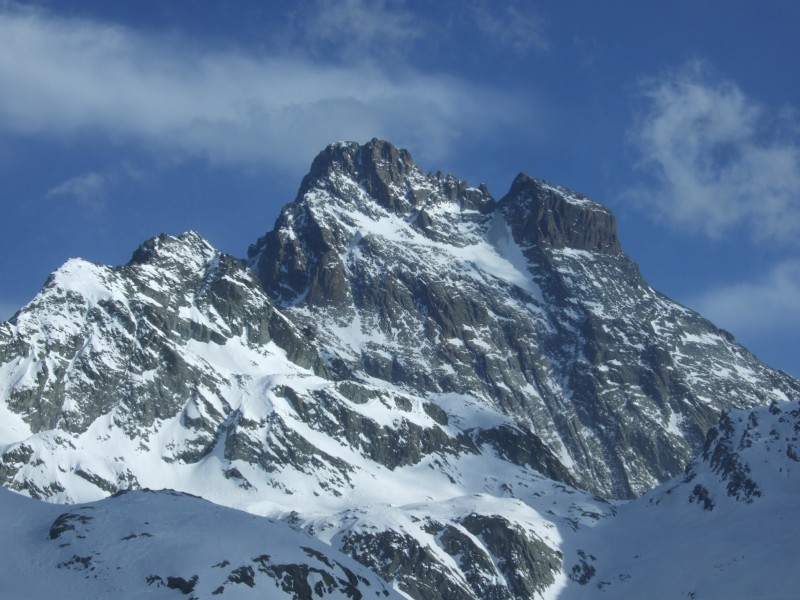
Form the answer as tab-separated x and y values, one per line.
388	176
377	166
352	193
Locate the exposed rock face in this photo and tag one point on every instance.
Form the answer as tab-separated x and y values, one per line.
300	259
487	549
527	304
96	338
547	216
462	549
746	455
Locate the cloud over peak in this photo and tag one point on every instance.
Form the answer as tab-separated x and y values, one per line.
718	159
63	76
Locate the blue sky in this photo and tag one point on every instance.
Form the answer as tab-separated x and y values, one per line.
122	120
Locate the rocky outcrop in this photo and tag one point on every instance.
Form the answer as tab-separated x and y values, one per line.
547	216
727	525
745	456
467	549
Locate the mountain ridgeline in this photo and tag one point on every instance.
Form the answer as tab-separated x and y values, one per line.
438	384
526	305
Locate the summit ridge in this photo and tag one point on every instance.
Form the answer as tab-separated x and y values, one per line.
527	304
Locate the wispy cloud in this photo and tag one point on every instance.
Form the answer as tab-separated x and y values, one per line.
356	30
64	77
719	160
757	308
92	190
89	189
514	25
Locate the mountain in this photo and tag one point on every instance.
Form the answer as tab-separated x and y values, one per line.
167	372
448	388
725	529
526	306
167	545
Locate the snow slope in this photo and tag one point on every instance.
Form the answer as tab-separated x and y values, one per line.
166	545
727	529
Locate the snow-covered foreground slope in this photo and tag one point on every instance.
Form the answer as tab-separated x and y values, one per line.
727	529
166	545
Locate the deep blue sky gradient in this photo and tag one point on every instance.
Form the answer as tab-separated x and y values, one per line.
560	90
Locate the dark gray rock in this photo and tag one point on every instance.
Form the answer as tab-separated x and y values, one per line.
401	558
548	216
527	563
497	559
527	303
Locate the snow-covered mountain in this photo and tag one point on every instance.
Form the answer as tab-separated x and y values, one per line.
726	529
167	545
526	306
452	390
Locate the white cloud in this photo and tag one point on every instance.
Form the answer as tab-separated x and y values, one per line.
379	30
719	159
766	307
89	189
63	77
515	25
358	30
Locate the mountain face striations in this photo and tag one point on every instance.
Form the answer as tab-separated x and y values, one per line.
526	305
453	390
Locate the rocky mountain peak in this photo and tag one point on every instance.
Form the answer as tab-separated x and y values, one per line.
165	248
377	166
389	176
550	216
352	195
425	282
